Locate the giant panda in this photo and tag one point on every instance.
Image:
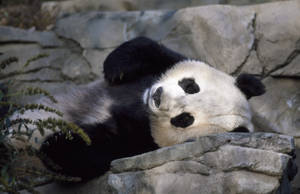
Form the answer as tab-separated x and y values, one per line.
150	97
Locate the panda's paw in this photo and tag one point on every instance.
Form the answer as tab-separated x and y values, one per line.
133	59
114	74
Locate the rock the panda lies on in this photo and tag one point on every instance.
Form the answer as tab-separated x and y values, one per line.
151	97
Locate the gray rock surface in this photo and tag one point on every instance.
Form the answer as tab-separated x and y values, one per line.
193	31
281	105
45	39
233	39
261	39
224	163
277	43
73	6
64	65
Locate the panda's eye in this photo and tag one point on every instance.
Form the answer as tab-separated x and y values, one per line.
189	85
183	120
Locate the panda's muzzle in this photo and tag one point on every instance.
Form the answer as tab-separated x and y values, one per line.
157	96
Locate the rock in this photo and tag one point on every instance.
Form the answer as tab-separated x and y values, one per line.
252	64
63	66
232	39
207	165
280	105
296	181
220	36
73	6
96	59
277	42
224	163
103	30
194	31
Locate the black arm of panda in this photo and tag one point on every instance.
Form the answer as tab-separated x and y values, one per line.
136	58
73	157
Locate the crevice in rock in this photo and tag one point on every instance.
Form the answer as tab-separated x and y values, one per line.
271	41
16	42
298	45
247	169
71	44
92	76
252	168
252	27
78	79
294	77
289	59
87	61
16	73
40	81
3	43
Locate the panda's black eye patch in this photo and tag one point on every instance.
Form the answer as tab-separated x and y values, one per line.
183	120
189	85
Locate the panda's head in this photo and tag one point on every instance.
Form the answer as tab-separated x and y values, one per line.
194	99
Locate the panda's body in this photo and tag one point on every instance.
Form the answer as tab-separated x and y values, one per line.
114	117
151	97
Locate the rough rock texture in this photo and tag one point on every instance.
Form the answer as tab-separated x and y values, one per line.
73	6
224	163
192	31
262	39
64	66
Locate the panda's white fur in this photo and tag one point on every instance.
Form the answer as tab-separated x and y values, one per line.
214	110
72	100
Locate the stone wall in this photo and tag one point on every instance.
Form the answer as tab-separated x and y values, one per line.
262	39
74	6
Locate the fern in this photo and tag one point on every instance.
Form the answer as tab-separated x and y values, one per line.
11	175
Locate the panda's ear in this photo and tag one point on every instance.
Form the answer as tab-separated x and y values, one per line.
250	85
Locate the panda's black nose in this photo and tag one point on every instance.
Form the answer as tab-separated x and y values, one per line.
156	96
241	130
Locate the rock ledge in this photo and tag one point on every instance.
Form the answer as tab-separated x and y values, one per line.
232	162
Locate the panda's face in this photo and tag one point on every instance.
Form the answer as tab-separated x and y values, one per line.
194	99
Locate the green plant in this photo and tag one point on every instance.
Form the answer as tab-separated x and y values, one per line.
16	175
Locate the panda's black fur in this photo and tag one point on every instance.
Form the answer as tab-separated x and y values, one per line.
129	70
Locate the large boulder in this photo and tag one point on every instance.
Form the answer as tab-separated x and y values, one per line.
225	163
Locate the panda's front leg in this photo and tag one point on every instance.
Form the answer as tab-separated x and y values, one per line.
137	58
73	157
